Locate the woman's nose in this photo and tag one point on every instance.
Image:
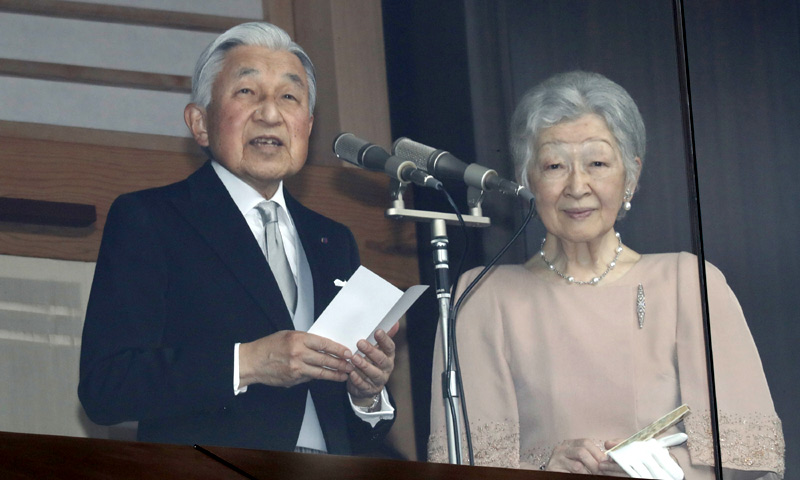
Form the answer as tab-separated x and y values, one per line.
577	182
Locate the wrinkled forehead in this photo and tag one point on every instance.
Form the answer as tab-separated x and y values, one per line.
586	128
255	61
592	147
246	71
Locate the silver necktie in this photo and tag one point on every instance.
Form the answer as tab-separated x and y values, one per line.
276	255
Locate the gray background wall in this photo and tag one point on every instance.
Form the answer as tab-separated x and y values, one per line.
457	68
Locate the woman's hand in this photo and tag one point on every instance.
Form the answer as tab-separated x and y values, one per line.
650	458
582	455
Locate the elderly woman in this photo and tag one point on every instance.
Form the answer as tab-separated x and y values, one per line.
588	341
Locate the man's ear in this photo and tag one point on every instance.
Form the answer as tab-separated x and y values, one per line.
195	117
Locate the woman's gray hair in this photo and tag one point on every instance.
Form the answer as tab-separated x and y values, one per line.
566	97
254	33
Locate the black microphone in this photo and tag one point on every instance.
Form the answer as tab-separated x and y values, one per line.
366	155
444	165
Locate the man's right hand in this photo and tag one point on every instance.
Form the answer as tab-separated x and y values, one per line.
289	357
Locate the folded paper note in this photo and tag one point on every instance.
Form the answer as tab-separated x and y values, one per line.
656	428
365	303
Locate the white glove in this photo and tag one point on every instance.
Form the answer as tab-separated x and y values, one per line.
650	459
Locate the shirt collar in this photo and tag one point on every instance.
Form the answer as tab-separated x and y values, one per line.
244	196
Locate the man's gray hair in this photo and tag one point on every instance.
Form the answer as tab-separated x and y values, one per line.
566	97
255	33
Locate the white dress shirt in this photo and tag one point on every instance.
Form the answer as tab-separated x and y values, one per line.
246	199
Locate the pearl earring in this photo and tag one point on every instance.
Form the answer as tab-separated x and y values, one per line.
627	204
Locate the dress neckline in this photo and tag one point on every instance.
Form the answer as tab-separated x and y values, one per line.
624	280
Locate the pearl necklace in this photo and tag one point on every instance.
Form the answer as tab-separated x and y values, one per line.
571	279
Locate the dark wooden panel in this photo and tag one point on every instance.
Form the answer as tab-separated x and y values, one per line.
264	465
47	456
40	212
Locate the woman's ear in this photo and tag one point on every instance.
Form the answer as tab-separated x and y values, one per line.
195	118
635	182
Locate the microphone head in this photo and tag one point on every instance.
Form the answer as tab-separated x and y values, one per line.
416	152
360	152
438	163
346	146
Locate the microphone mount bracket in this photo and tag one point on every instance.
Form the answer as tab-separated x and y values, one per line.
398	210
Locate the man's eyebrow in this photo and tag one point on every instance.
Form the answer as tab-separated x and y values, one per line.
294	78
246	71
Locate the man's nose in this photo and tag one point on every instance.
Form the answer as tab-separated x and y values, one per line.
267	111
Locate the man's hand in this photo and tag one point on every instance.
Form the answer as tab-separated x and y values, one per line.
373	369
289	357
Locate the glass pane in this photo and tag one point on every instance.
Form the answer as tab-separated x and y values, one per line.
569	374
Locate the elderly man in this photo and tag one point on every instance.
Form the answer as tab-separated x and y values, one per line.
204	289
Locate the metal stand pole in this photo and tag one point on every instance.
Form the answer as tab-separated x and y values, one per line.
439	244
452	402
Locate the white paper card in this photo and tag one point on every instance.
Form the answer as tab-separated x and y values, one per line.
365	303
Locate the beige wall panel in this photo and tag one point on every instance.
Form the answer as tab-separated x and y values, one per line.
345	40
93	106
99	44
280	13
313	32
226	8
362	91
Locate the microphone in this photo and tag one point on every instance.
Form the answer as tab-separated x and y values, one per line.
444	165
369	156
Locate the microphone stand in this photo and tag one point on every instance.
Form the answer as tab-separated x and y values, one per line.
439	243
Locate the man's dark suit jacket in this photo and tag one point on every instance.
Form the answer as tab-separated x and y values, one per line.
179	280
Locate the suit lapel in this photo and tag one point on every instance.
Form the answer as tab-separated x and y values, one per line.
212	212
317	250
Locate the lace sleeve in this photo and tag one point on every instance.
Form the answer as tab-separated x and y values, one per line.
495	444
749	442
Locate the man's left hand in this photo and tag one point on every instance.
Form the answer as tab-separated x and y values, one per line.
373	369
